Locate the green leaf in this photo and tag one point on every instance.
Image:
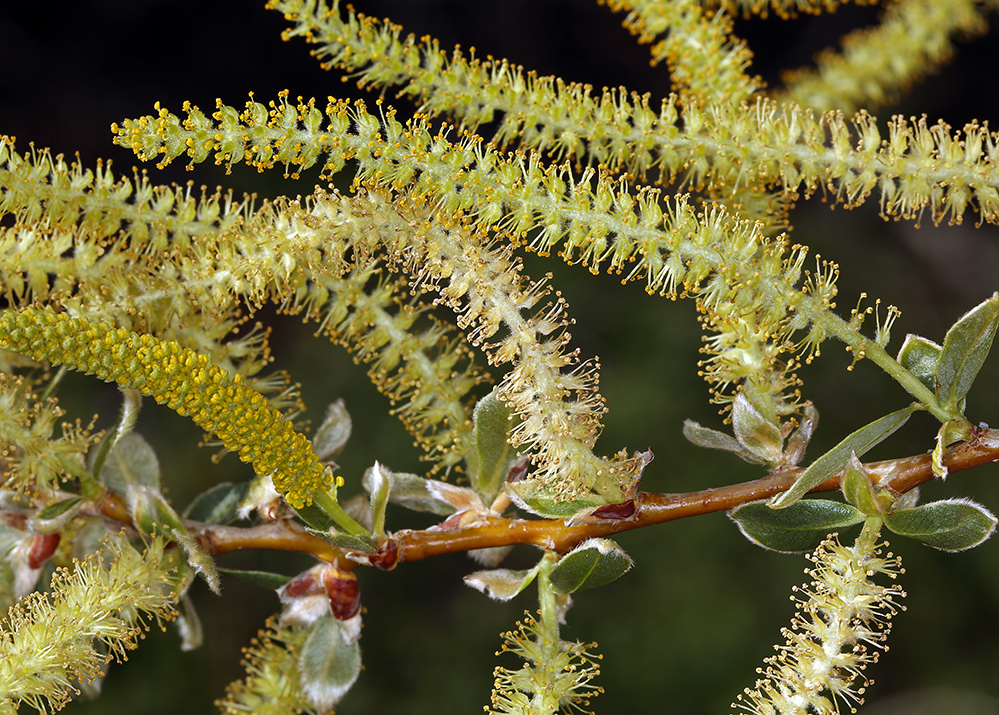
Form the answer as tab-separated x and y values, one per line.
950	525
965	348
501	584
858	488
835	459
420	494
198	559
329	664
492	423
920	357
266	579
797	528
412	491
130	462
127	417
189	624
353	542
755	432
218	505
797	443
316	518
537	499
150	511
594	563
950	432
333	433
55	516
378	485
713	439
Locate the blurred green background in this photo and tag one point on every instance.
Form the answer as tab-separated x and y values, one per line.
686	629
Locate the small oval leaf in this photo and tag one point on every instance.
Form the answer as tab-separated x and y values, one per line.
797	528
418	493
950	432
965	348
858	488
127	417
713	439
316	518
920	357
266	579
378	485
755	432
199	559
150	510
535	498
333	433
329	664
55	516
501	584
949	525
492	423
797	443
354	542
218	505
189	624
131	461
595	562
836	458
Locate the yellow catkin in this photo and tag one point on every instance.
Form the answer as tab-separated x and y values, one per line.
187	382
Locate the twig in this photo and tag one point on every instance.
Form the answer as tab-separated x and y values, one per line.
899	475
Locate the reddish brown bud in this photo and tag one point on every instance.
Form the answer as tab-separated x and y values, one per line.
387	556
42	547
615	512
301	585
344	593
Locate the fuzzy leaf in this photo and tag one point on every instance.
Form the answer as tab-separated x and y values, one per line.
127	417
329	664
755	432
333	433
130	462
378	485
353	542
150	511
949	525
797	443
537	499
266	579
593	563
920	357
492	423
199	559
218	505
794	529
418	493
965	348
713	439
189	624
858	488
835	459
501	584
950	432
55	516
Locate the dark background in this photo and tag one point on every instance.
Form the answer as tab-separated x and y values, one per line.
685	630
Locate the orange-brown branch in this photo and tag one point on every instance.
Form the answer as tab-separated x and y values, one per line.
899	475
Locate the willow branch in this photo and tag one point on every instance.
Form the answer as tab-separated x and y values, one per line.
898	475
